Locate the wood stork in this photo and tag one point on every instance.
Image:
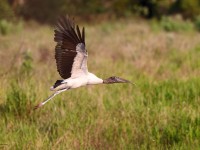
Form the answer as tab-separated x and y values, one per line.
71	59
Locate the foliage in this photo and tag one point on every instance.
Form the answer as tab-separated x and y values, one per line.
6	11
80	7
7	27
188	8
49	10
156	8
42	10
19	99
197	23
172	24
45	10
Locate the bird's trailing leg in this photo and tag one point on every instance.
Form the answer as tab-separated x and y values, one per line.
49	98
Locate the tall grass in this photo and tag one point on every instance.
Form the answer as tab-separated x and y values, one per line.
160	112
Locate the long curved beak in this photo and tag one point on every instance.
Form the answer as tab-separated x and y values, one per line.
121	80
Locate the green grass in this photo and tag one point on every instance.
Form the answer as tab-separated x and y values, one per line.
176	24
7	27
160	112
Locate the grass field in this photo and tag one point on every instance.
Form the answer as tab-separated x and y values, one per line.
162	110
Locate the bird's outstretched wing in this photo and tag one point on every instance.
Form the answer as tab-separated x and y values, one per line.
70	51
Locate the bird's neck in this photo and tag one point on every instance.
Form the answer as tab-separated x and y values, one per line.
93	79
107	81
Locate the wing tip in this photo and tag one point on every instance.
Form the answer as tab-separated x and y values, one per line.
66	24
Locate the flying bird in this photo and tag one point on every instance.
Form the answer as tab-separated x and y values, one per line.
71	59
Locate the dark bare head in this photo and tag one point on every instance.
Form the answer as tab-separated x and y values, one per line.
114	79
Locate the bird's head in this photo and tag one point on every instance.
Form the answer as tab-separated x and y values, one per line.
114	79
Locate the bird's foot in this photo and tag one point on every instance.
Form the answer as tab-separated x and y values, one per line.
38	106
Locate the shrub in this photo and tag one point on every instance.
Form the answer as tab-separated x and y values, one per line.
6	11
42	11
19	98
156	8
16	100
171	24
7	27
188	8
197	23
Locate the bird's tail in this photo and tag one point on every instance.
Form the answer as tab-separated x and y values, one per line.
56	84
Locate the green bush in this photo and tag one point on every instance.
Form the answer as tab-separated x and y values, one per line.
19	98
6	11
188	8
49	10
43	11
7	27
171	24
197	23
16	101
156	8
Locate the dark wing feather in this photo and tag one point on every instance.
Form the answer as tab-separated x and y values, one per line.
67	38
79	33
83	35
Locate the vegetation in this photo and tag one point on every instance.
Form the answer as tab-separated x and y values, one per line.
174	24
197	23
42	10
6	11
7	27
160	112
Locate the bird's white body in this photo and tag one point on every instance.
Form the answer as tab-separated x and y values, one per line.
83	80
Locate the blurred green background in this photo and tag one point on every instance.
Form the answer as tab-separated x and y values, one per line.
48	10
153	43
